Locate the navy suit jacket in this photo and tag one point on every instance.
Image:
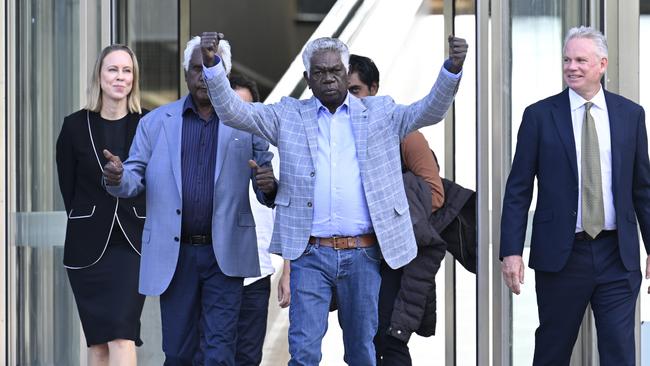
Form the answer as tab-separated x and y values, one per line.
546	151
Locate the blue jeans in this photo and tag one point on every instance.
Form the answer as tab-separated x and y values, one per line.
351	274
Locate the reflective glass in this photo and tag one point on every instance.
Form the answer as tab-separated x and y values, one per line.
49	76
150	28
465	175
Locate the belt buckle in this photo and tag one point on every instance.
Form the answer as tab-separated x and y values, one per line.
197	239
335	241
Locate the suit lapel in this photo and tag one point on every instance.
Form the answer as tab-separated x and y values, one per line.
173	125
617	135
359	119
224	137
562	118
310	121
97	140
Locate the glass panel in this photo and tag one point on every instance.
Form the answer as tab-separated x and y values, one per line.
537	33
644	99
150	28
48	78
465	168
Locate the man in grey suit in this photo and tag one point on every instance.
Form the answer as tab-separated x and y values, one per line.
199	235
340	191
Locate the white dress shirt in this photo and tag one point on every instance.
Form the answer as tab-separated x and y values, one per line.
601	120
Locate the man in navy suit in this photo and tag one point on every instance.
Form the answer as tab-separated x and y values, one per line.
588	150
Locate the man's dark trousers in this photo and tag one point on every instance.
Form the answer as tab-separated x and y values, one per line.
251	327
199	311
593	274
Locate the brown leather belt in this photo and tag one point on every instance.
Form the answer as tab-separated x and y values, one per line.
583	236
345	242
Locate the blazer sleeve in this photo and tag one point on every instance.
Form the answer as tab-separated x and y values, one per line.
257	118
519	187
641	183
66	164
427	111
262	157
133	178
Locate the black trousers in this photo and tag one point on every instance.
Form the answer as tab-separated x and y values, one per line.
251	327
390	351
594	274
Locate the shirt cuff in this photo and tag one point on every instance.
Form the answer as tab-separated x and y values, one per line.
211	72
449	73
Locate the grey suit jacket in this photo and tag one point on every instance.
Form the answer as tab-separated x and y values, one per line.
155	161
378	124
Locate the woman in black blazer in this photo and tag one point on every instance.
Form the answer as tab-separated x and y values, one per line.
103	236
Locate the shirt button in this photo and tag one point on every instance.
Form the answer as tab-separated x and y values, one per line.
178	212
312	174
176	238
573	213
308	204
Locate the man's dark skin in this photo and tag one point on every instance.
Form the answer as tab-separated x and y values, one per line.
196	85
328	79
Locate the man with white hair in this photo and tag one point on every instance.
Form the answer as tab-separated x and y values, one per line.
588	149
341	204
199	237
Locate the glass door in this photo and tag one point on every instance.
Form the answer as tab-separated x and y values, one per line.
52	48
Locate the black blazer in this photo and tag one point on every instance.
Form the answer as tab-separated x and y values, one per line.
92	212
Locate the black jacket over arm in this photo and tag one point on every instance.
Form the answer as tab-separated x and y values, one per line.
415	306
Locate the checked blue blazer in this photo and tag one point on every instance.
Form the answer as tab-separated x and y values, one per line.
378	123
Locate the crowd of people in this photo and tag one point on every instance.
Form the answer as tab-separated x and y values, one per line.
158	204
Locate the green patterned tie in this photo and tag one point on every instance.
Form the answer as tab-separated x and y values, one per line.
593	211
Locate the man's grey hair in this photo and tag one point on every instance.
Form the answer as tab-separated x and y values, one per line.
588	33
325	44
223	52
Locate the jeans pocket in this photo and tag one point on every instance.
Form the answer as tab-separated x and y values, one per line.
308	249
373	253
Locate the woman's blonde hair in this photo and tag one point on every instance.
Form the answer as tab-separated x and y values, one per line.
94	94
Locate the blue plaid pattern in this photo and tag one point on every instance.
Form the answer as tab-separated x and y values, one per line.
379	124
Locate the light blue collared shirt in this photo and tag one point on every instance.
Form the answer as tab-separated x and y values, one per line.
340	207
